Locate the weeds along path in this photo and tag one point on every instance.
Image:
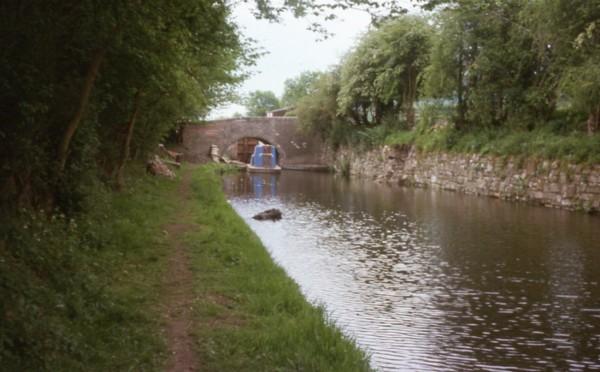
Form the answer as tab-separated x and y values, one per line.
178	286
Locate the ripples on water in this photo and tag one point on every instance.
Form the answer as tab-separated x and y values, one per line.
430	280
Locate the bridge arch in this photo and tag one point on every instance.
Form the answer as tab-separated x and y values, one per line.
242	148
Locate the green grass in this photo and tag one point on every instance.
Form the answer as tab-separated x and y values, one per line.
80	293
84	294
574	147
249	315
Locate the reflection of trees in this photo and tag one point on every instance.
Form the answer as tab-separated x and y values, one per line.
572	306
509	267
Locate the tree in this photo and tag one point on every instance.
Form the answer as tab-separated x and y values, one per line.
581	83
299	87
318	112
77	88
260	102
573	32
170	78
382	75
451	56
485	59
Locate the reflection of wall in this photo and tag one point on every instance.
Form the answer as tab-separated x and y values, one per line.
293	146
544	182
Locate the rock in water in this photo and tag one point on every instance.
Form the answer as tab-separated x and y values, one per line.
269	214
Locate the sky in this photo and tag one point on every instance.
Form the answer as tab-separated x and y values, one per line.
292	49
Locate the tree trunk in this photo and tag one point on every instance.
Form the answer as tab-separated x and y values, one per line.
90	79
355	115
127	142
409	98
593	123
460	120
378	111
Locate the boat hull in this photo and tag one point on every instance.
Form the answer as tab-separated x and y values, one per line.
253	169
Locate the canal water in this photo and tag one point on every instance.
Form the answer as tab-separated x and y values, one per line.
432	280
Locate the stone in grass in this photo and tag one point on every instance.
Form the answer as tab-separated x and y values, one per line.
269	214
156	167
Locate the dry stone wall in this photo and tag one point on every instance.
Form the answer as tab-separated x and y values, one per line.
550	183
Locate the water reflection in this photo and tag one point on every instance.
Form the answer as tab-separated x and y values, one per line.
432	280
256	185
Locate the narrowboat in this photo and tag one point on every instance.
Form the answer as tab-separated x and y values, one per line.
264	159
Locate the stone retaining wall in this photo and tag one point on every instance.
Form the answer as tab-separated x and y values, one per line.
550	183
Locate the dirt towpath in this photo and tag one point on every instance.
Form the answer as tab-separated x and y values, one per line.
178	288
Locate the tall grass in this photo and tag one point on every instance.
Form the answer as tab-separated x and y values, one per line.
78	292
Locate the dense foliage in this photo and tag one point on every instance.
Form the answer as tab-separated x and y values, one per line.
470	68
86	84
382	75
79	293
318	112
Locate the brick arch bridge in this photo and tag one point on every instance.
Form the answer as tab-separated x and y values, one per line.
294	147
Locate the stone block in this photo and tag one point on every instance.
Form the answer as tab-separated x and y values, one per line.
563	178
551	188
536	195
593	189
586	196
569	191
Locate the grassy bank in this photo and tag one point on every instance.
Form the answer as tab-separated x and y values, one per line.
79	293
543	143
249	315
574	147
87	292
